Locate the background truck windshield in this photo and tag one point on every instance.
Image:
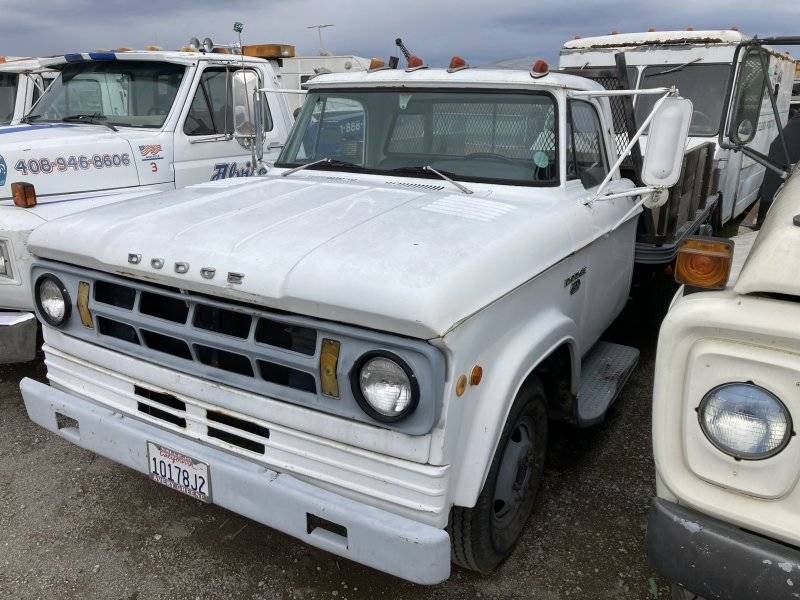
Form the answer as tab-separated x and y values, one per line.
8	96
127	93
473	136
703	84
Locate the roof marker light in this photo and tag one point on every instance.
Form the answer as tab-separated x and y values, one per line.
539	69
690	28
651	29
153	48
734	28
577	37
2	59
415	62
123	49
376	64
615	32
457	64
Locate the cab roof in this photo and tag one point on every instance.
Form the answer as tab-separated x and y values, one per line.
27	63
657	38
477	78
172	56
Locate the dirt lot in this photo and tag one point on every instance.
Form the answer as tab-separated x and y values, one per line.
73	525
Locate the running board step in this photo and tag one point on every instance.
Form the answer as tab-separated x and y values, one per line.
604	371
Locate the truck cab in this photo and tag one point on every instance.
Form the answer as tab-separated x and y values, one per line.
22	82
116	125
725	522
364	347
699	63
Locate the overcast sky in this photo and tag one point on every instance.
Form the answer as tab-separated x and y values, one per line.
435	29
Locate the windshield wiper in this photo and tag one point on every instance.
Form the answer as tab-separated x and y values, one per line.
334	162
675	69
29	118
95	119
446	175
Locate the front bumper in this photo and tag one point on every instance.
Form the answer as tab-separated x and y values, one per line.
17	337
717	560
374	537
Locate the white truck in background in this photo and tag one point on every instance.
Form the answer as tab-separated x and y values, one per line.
22	81
699	63
115	125
725	523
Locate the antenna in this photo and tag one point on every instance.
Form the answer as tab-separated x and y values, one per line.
319	28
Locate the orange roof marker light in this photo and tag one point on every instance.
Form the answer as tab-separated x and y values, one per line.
457	64
539	69
415	62
704	263
376	64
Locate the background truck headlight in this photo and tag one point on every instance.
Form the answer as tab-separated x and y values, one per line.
5	261
52	300
384	386
745	421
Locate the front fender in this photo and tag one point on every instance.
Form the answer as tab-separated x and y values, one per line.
484	408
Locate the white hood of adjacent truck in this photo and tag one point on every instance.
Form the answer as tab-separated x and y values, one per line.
771	266
23	148
412	261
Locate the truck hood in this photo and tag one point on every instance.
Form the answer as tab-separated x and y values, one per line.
31	153
413	259
771	266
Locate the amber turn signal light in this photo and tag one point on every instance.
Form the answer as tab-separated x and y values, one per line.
328	365
83	304
457	64
704	263
24	194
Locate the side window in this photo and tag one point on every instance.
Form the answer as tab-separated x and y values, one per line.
586	156
211	112
335	130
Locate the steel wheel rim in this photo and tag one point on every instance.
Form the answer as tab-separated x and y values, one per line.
515	473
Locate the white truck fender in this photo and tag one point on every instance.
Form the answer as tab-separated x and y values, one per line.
484	409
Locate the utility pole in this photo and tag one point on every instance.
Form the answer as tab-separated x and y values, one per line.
319	28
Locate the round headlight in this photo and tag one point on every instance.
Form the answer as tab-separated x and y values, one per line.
384	386
745	421
52	299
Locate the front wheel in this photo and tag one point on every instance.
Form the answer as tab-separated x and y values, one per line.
483	536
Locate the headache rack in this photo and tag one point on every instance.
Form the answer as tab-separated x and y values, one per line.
691	201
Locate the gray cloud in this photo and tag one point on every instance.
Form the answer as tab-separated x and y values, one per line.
480	31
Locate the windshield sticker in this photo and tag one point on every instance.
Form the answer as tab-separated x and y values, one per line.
3	171
226	170
151	152
45	166
540	159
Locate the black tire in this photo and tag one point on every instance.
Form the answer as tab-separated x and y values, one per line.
481	537
681	593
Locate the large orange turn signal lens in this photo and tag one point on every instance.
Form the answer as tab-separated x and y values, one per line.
24	194
704	263
328	366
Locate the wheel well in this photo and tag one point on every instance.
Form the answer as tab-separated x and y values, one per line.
555	374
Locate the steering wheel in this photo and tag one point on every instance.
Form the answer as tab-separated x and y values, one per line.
493	156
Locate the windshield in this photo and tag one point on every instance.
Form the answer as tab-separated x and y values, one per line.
127	93
703	84
8	96
473	136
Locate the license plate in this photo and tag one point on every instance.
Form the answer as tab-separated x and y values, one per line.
178	471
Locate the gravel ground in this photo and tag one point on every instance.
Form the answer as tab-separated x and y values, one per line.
73	525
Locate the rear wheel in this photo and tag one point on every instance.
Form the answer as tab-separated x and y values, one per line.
483	536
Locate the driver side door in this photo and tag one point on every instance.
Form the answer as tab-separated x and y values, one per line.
205	148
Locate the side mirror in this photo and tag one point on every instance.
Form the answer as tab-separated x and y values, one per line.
749	96
666	142
243	84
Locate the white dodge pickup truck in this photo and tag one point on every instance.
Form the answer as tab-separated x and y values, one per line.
116	125
363	348
726	521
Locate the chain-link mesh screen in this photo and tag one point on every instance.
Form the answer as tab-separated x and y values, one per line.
515	130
